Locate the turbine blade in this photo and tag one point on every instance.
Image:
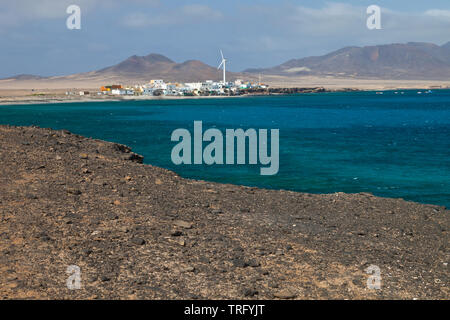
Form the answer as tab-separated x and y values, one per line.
221	53
220	64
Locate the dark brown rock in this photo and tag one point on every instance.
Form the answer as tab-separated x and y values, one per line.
232	242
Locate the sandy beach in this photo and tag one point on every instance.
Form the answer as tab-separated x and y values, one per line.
333	83
54	91
15	97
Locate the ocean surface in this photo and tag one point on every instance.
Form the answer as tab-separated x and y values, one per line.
392	145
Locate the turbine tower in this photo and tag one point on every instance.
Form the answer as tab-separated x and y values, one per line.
224	63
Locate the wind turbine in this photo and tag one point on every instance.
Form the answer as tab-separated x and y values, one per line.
224	63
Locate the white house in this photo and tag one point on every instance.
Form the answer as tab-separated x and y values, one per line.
158	84
148	91
193	85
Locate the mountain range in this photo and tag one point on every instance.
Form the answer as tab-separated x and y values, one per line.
157	66
410	61
394	61
141	68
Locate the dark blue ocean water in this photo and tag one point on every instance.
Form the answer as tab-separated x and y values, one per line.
391	145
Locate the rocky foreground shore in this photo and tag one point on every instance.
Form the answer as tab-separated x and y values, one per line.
142	232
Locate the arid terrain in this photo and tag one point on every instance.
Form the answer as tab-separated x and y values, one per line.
394	66
53	91
410	61
142	232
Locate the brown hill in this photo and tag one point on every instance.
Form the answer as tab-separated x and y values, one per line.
139	69
158	66
137	65
394	61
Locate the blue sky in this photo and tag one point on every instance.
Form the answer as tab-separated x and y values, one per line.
34	38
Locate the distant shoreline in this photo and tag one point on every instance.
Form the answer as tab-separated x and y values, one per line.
62	98
81	99
13	92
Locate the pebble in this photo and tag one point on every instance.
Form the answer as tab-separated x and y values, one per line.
285	294
73	191
249	292
183	224
239	263
187	269
253	263
45	238
177	240
138	241
181	242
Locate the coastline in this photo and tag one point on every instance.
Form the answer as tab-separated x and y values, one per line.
52	99
138	231
80	99
53	91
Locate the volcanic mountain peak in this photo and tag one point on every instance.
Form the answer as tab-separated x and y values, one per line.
139	64
157	66
156	57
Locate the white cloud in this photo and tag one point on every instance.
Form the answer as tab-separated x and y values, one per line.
44	9
345	24
137	20
182	15
201	11
334	18
256	33
288	30
31	10
438	13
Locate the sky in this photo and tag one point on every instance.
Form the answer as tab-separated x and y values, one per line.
34	38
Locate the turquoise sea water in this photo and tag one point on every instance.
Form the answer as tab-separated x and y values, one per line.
392	145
